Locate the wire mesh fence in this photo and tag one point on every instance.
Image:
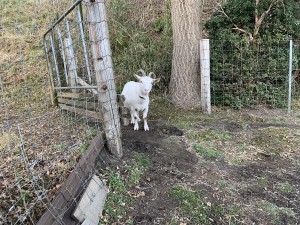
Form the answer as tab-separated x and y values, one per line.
42	146
249	74
79	59
37	157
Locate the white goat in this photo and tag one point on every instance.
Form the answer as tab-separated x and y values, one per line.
137	97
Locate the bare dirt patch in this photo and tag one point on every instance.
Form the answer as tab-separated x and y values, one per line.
263	190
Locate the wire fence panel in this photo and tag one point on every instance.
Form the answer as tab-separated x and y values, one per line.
296	74
249	74
79	60
38	156
42	147
68	51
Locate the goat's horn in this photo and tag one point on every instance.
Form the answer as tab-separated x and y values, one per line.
152	74
143	72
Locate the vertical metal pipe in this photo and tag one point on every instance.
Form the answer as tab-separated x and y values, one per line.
290	77
55	59
50	77
63	54
71	42
84	45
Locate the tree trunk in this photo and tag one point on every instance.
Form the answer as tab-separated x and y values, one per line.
184	88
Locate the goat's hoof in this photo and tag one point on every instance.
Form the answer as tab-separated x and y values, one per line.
136	127
146	128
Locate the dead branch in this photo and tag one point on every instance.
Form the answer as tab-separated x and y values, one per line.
235	26
259	19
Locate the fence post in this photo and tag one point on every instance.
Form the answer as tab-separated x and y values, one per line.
290	77
50	75
205	76
101	51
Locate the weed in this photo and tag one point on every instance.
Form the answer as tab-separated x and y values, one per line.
274	211
209	135
233	214
172	139
262	181
136	168
246	127
207	153
194	206
277	140
118	199
296	163
59	146
284	187
83	148
92	133
222	183
235	160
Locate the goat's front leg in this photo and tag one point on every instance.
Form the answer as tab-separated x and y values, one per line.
132	116
145	113
135	119
134	113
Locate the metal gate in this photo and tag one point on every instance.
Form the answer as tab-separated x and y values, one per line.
81	76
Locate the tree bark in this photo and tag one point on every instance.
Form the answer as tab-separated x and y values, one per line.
184	87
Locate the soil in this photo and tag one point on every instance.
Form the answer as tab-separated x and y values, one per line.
173	162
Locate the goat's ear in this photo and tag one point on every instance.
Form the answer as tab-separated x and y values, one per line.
155	81
137	77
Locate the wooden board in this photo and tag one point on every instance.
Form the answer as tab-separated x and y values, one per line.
82	112
61	208
88	222
80	104
92	201
73	95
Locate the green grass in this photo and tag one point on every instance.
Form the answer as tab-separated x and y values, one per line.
277	140
274	211
207	153
195	206
119	198
136	168
222	183
209	135
262	181
284	187
83	147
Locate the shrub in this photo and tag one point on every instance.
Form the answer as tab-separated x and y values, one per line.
248	72
137	46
